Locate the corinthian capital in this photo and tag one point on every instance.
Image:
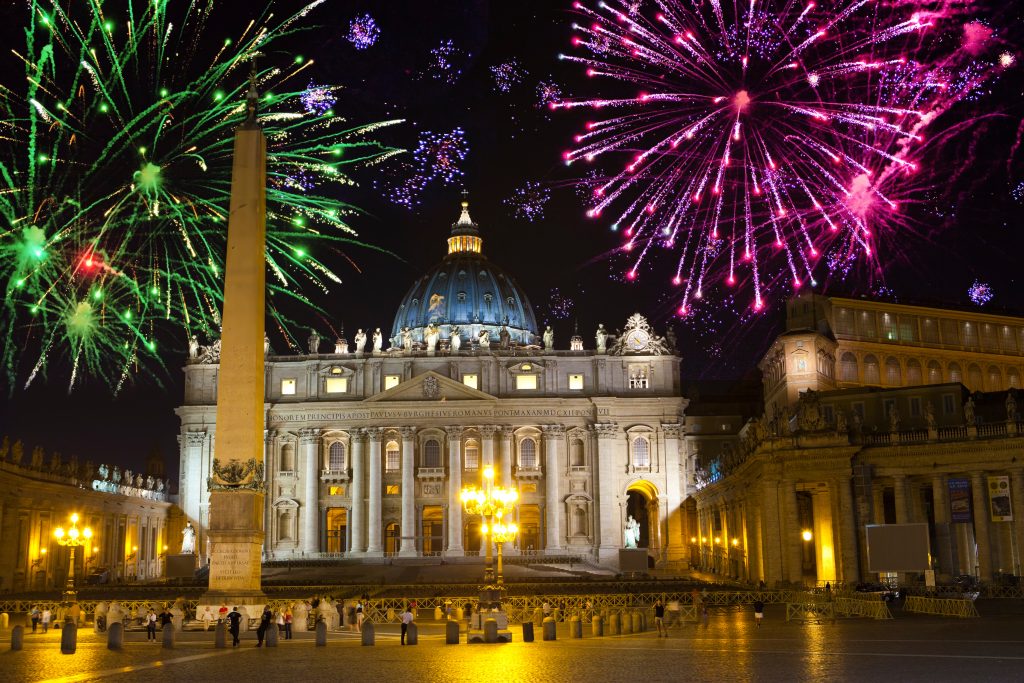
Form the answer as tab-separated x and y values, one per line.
672	431
309	435
454	432
407	432
607	430
373	433
553	431
488	431
195	439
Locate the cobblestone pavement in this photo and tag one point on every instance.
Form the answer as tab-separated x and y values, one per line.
728	648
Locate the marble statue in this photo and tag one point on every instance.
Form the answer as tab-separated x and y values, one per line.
1011	406
340	345
116	476
484	339
407	339
454	340
894	419
602	338
969	416
431	335
360	340
504	337
188	539
929	415
193	347
149	482
632	532
266	345
160	485
138	481
378	341
549	338
841	426
314	342
670	340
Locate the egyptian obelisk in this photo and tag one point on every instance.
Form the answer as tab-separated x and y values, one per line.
236	485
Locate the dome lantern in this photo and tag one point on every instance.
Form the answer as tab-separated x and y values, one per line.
465	237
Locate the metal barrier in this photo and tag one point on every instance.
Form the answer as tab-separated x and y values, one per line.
943	607
852	607
810	611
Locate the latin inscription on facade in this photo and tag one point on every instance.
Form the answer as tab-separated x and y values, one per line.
392	415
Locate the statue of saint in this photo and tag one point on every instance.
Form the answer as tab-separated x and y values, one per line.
360	340
431	336
969	416
929	415
484	339
266	345
188	539
632	532
314	342
894	419
193	347
504	337
407	339
378	341
1011	406
549	339
602	338
670	339
454	341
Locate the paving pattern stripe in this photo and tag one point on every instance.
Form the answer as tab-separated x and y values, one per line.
106	673
735	650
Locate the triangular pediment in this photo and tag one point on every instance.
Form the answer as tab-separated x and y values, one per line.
430	386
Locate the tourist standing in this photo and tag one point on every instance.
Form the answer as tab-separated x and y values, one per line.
407	618
659	618
265	620
35	614
287	624
151	625
166	619
280	622
758	612
359	615
234	618
45	618
222	613
207	618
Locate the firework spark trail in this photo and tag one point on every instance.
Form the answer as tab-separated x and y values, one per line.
780	131
115	174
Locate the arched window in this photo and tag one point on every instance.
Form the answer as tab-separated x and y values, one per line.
577	458
1013	379
392	457
955	374
892	372
974	381
432	454
472	455
914	377
288	457
527	453
848	367
934	372
336	457
641	452
871	371
995	379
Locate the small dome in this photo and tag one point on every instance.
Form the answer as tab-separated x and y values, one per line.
467	290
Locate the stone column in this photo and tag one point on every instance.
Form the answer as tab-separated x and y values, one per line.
1017	491
408	547
373	512
269	441
755	551
609	522
358	521
979	491
675	547
849	569
791	539
454	488
554	439
824	538
193	483
940	506
899	486
309	445
505	476
487	437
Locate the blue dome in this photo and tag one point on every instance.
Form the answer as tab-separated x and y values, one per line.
467	290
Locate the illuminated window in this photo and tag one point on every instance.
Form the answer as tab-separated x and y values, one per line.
337	385
472	455
391	381
638	377
336	456
336	490
575	382
392	490
392	458
527	453
892	372
288	387
641	453
526	382
432	454
848	367
470	381
528	488
871	370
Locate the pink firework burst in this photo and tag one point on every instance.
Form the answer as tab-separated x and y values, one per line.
764	141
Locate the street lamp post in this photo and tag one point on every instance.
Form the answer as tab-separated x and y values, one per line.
492	503
73	537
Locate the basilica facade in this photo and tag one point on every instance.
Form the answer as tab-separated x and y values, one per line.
369	444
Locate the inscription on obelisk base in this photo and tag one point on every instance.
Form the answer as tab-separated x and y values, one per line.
236	546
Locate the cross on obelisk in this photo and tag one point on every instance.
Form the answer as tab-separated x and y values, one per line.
236	484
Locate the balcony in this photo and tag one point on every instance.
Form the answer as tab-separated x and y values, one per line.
430	473
334	476
534	472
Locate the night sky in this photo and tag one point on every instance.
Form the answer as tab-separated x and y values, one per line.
968	231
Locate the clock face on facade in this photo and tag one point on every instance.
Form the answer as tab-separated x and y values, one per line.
637	340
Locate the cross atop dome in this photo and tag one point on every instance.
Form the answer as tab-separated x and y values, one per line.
465	235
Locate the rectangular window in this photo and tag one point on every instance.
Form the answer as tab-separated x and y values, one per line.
337	385
889	327
948	406
336	491
392	490
470	381
472	458
915	407
638	377
391	381
830	414
526	382
288	387
528	488
392	460
575	382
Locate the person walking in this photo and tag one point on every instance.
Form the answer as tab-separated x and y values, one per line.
758	612
36	615
234	618
359	615
166	619
45	619
151	625
280	622
208	618
265	620
407	618
287	624
659	618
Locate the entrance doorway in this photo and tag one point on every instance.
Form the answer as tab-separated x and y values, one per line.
433	530
638	503
337	530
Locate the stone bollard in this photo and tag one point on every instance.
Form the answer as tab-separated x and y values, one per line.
596	626
69	638
627	622
5	620
17	638
321	634
527	631
168	636
549	629
491	631
412	635
637	623
438	614
115	636
220	635
575	627
556	614
271	636
614	622
451	633
538	617
369	633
